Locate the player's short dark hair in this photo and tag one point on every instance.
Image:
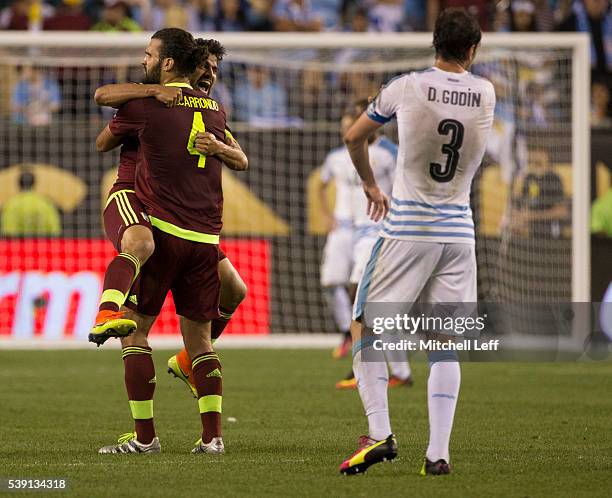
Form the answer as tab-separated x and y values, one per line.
454	34
215	48
179	45
26	180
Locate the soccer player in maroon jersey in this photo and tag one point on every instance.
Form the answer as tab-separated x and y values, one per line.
131	240
181	190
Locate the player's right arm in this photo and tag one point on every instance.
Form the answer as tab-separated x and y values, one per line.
380	111
107	141
128	121
229	151
117	94
356	140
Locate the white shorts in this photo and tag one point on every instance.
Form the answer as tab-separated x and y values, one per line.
404	271
362	249
337	257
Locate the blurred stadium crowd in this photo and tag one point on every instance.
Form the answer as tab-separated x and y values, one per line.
303	15
593	16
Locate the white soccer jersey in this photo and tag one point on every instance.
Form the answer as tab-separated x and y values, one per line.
383	159
338	166
444	120
351	203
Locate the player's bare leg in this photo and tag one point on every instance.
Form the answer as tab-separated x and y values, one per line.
372	379
136	247
208	378
233	292
140	384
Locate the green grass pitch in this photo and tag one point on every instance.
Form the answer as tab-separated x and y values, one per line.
524	430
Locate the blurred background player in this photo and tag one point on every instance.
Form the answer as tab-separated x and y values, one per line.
28	213
542	207
338	251
383	157
426	252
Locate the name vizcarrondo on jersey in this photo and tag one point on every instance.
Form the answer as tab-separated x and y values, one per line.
444	120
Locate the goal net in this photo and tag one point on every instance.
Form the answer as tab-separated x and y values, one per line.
285	96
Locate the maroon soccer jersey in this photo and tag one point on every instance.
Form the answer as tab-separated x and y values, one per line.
128	157
177	185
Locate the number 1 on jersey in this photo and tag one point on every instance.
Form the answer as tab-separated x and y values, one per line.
196	126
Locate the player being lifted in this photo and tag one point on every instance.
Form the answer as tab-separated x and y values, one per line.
181	191
425	251
352	235
136	238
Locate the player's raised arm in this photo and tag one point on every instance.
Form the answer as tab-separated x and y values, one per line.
229	152
117	94
356	140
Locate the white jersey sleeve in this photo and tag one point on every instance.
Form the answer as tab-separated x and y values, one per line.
384	107
326	172
338	167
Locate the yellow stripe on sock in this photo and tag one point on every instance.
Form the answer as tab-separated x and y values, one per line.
113	296
210	403
134	350
137	349
136	263
200	359
131	258
141	410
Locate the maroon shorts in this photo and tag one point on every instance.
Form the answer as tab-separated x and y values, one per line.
123	210
189	269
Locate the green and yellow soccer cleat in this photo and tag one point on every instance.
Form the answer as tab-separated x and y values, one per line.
175	369
110	324
370	452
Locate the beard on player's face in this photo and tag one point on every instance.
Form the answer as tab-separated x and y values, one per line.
152	75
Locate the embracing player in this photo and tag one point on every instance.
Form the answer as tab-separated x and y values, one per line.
134	239
180	189
425	251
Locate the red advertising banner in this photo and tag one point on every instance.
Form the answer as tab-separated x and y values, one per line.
50	288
